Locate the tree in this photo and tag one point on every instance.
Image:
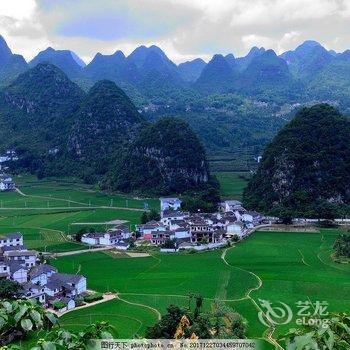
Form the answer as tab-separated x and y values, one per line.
220	322
238	327
341	246
9	289
166	327
149	216
82	231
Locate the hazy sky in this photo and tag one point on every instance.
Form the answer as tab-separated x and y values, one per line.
184	29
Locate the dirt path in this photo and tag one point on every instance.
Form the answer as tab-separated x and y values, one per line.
106	297
82	251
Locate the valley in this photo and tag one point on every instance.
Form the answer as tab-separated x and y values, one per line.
273	266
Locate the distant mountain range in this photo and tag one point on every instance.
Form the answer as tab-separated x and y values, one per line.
148	75
234	104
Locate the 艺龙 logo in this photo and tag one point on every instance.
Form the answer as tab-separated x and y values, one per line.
274	314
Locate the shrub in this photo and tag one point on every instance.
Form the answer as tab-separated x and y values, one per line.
93	297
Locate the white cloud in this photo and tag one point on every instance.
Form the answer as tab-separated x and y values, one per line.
17	9
257	40
185	29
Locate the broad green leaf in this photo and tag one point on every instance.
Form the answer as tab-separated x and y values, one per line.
20	313
27	324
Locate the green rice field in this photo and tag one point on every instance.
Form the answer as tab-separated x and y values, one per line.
287	267
291	266
232	184
46	211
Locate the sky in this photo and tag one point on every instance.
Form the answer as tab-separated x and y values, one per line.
184	29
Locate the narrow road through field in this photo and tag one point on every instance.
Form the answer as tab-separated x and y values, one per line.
82	251
159	316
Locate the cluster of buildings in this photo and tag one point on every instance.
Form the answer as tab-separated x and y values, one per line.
38	281
118	237
189	230
177	229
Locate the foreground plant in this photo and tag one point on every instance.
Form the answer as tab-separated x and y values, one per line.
333	335
18	317
62	339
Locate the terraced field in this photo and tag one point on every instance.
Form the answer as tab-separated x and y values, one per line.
45	211
274	266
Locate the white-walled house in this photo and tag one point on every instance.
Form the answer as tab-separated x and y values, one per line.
111	237
77	282
171	215
170	203
26	257
181	233
235	228
4	270
231	205
41	273
11	240
34	291
6	183
18	272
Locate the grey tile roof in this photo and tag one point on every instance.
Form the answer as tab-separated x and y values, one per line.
40	269
66	278
16	265
21	253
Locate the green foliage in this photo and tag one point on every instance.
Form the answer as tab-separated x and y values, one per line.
19	317
169	244
58	304
341	246
8	288
205	199
221	322
166	158
305	169
90	298
332	335
149	216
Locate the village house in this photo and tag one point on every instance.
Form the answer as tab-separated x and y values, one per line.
39	281
148	229
11	239
170	215
231	206
6	183
25	257
109	238
236	229
169	204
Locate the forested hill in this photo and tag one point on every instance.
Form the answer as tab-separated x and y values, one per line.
166	156
234	104
305	170
57	129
